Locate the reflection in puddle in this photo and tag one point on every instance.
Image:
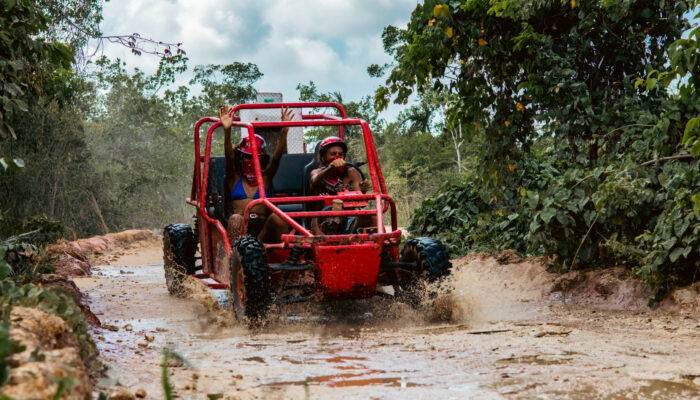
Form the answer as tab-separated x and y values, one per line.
532	360
345	380
116	270
658	389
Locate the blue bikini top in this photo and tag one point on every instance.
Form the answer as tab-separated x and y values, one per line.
238	192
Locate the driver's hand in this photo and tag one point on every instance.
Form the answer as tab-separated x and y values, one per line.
364	186
337	163
224	117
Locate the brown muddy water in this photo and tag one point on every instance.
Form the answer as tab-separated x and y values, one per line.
503	341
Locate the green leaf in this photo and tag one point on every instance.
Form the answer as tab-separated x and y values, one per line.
562	218
5	269
547	214
651	83
668	244
680	227
533	198
675	254
687	251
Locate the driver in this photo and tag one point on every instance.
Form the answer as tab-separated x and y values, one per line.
241	186
336	175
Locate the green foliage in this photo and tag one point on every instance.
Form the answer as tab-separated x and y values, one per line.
227	84
73	22
59	179
672	247
683	73
8	347
468	219
19	259
21	251
521	69
26	61
55	301
363	109
168	357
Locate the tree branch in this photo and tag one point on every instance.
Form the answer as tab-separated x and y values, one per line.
676	157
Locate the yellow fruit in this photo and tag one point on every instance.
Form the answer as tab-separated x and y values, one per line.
482	42
441	10
520	107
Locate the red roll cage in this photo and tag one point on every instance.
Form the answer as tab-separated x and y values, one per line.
380	196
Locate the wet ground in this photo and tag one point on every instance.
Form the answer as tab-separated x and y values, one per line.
503	341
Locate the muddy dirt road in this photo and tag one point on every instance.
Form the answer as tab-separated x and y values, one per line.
504	341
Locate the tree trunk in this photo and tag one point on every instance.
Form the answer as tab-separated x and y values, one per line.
457	141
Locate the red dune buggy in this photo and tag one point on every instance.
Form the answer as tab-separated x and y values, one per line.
350	263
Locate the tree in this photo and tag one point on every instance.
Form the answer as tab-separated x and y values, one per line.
227	84
27	61
363	109
524	69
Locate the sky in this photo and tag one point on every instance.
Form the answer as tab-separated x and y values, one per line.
329	42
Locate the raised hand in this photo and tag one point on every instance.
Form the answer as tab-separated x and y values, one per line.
224	117
287	114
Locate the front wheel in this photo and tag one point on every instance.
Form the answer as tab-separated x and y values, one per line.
179	247
431	264
249	290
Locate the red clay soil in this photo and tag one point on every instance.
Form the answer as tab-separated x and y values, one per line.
72	257
606	289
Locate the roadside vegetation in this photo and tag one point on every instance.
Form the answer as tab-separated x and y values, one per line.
584	121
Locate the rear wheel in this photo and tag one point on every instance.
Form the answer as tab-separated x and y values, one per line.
432	263
250	281
179	246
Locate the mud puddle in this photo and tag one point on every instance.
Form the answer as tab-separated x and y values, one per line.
503	341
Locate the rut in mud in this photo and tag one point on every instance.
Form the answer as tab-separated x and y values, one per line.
509	337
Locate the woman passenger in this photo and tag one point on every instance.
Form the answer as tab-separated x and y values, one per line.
241	186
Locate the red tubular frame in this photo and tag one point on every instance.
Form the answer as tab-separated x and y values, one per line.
318	104
380	195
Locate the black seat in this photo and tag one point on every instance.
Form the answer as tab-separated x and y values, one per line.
289	179
215	189
312	165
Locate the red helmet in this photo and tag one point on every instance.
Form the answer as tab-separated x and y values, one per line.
330	142
245	146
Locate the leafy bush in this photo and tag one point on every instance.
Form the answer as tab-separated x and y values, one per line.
22	253
468	219
8	347
672	243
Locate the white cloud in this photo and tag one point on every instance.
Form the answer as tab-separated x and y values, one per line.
330	42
